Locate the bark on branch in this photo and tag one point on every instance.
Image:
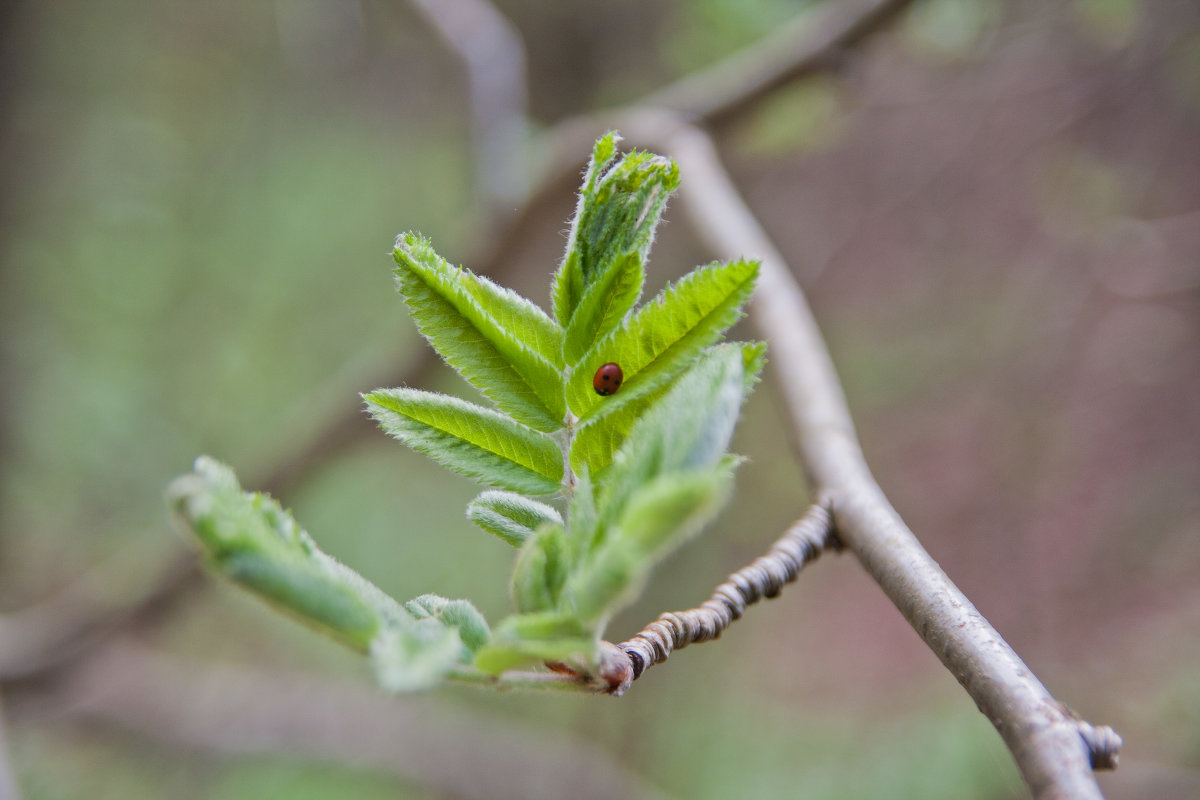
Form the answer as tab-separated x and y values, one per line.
765	577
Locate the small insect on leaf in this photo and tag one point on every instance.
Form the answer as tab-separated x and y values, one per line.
608	379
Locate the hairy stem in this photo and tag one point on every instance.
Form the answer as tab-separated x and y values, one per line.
566	437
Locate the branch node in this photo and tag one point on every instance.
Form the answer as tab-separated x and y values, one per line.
1103	744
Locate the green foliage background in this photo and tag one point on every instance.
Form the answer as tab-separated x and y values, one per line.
197	207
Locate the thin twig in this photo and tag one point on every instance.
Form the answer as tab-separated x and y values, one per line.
808	44
1054	750
491	50
242	710
764	577
66	625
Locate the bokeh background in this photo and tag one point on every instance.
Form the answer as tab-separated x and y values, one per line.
994	207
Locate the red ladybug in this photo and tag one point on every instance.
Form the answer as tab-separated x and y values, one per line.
607	380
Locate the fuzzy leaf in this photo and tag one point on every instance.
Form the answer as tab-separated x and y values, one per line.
460	615
669	476
567	285
754	358
657	342
415	657
454	310
541	569
619	209
250	539
525	639
597	439
686	429
510	516
522	319
657	519
603	305
475	441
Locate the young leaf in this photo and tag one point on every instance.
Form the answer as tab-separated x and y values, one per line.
754	358
416	656
460	615
454	311
250	539
518	316
524	639
567	284
660	339
657	518
686	429
597	439
475	441
541	569
509	516
603	305
619	209
254	542
669	477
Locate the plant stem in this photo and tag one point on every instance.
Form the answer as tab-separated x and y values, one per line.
566	437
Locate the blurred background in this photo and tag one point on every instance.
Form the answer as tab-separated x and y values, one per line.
994	208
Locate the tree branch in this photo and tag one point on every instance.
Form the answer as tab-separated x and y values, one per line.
764	577
1054	750
807	44
491	50
70	622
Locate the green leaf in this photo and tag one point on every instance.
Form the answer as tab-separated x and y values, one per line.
619	209
460	615
302	589
475	441
525	639
454	310
658	517
669	476
597	439
509	516
251	540
541	569
603	305
523	320
686	429
754	358
568	281
416	656
657	342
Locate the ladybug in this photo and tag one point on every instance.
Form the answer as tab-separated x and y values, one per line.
608	379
